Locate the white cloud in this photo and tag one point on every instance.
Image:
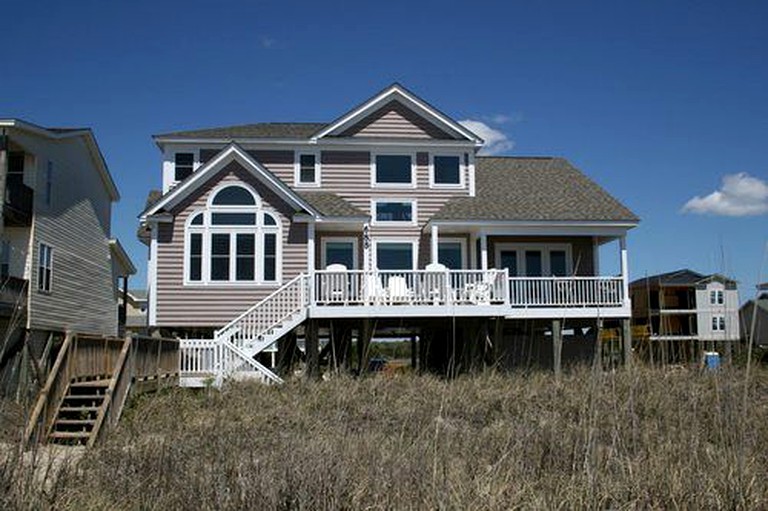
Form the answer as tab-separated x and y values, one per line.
496	142
739	195
267	42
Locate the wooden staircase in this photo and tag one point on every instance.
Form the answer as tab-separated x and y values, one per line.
90	382
79	411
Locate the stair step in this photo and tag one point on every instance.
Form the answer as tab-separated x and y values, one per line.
83	397
75	422
69	435
91	383
79	409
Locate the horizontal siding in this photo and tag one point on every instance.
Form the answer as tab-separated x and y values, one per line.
394	120
581	249
77	225
212	306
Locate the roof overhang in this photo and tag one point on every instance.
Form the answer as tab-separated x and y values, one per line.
90	140
231	153
538	227
123	259
397	92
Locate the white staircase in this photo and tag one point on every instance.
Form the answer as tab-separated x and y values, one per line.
234	346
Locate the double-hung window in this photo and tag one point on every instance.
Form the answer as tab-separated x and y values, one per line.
394	170
183	165
233	241
718	323
716	297
45	268
307	170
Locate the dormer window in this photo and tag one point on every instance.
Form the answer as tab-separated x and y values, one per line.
394	170
184	165
307	170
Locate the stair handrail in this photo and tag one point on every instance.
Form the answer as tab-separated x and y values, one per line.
59	367
120	380
249	360
259	304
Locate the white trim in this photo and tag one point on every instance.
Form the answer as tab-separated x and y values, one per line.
397	93
433	244
463	243
231	153
302	144
152	276
377	241
49	250
339	239
376	184
483	251
462	171
394	223
297	169
544	248
554	228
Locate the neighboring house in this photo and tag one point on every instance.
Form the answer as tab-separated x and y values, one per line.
251	217
60	265
756	318
133	310
685	313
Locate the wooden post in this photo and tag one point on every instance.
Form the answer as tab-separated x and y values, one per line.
599	345
312	349
413	352
557	345
626	336
498	341
363	343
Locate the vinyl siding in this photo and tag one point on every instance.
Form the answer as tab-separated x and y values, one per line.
215	305
77	225
394	120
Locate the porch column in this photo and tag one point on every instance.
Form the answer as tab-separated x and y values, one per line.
311	248
152	276
483	251
595	255
434	244
624	269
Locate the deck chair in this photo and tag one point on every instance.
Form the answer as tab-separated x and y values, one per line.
437	283
337	285
397	290
373	290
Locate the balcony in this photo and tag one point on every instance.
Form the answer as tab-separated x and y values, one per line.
18	207
13	292
464	293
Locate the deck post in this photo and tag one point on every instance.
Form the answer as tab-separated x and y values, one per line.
624	270
557	345
312	349
498	341
599	344
483	251
626	337
363	343
434	244
413	352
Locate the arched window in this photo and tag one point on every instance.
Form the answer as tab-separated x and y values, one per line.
233	240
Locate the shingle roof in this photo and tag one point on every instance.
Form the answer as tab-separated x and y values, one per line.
684	277
534	188
259	130
331	205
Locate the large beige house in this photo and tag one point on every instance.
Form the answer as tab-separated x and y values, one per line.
385	218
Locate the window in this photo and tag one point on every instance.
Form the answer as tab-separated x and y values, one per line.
451	254
45	268
340	251
393	170
232	241
718	323
392	211
307	172
534	259
184	163
395	255
716	297
446	171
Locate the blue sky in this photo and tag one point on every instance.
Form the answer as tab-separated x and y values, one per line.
656	102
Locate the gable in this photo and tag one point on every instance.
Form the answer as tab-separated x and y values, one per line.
395	120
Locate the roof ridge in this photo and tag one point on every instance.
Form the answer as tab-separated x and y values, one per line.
518	157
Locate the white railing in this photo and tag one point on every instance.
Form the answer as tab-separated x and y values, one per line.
256	323
412	287
566	292
198	357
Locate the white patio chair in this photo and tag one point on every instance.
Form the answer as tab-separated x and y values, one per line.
373	290
337	283
437	284
397	290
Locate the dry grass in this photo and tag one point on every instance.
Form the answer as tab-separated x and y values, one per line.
633	439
